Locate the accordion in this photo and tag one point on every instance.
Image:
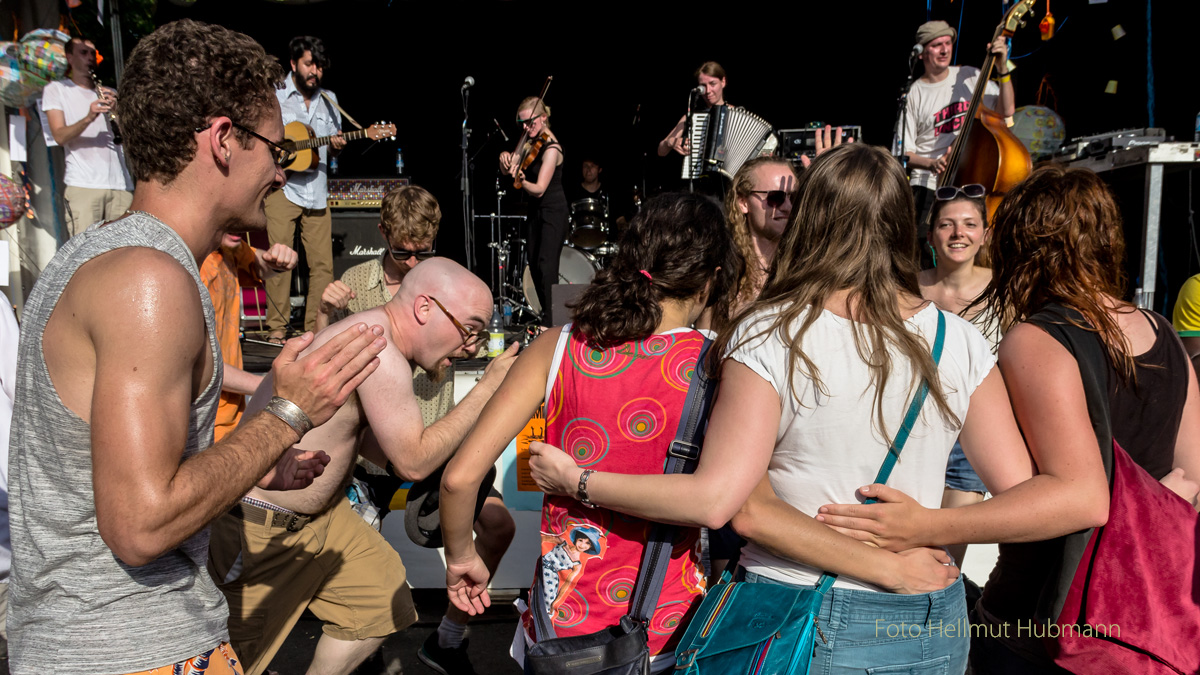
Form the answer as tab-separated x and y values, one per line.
724	138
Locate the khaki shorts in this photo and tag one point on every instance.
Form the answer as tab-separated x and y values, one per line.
85	206
336	565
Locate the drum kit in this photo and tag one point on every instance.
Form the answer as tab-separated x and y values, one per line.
590	244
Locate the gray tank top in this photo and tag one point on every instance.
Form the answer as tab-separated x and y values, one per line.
74	606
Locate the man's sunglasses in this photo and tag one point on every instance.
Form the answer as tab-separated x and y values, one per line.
470	338
401	255
279	153
775	198
972	191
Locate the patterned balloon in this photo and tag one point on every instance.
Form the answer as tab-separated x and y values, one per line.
1040	129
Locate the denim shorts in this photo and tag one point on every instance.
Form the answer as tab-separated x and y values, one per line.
959	474
875	632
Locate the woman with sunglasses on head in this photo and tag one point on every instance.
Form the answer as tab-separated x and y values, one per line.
958	230
542	181
1058	253
819	373
614	383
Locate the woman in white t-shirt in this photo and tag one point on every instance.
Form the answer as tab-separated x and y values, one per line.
818	374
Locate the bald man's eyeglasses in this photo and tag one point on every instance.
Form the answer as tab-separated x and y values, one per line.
470	338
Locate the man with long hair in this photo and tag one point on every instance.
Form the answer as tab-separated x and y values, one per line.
302	202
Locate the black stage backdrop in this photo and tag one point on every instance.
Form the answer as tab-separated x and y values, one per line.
622	71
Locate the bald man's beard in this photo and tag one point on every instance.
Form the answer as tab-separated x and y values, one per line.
437	374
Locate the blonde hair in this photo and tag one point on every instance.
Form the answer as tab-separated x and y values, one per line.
739	226
537	106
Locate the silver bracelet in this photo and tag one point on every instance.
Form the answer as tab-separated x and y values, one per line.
581	492
290	413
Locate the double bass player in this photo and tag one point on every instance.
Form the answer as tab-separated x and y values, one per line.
938	102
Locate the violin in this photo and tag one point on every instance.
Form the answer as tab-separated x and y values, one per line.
528	148
529	152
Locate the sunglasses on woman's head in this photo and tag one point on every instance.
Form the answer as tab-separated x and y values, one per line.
775	198
972	191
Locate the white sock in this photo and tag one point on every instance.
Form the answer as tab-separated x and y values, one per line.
450	633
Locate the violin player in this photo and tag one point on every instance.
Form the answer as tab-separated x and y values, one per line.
537	165
938	102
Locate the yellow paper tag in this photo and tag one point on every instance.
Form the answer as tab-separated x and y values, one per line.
1118	32
1111	88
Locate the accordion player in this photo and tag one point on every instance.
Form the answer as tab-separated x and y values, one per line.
723	138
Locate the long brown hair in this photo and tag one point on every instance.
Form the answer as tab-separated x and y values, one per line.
1058	238
854	228
739	225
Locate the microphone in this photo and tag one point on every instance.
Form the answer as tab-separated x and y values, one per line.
698	89
500	129
916	51
468	83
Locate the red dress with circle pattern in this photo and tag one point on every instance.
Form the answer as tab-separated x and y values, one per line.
616	411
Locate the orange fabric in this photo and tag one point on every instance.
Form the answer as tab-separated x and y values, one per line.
219	661
220	274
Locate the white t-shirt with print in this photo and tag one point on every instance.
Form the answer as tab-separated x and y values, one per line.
936	111
92	159
828	446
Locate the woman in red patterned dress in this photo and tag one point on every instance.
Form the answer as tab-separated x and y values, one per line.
614	383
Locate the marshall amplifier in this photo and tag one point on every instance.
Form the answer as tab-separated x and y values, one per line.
360	193
356	239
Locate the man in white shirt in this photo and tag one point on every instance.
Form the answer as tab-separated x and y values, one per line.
302	201
937	106
98	185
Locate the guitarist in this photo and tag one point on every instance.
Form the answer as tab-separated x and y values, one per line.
937	105
98	184
302	200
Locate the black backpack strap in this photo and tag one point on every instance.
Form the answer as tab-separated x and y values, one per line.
682	457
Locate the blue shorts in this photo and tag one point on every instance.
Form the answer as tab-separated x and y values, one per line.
959	474
875	632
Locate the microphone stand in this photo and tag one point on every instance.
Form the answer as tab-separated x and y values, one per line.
465	182
898	131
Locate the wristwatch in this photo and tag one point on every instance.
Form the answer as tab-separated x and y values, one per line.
581	492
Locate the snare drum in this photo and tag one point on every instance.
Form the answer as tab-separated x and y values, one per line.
574	267
589	223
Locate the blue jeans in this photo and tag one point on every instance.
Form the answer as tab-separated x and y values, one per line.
870	632
960	475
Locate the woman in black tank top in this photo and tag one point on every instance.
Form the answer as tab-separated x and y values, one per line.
1058	259
542	181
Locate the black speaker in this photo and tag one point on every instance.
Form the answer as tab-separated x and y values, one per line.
560	295
356	239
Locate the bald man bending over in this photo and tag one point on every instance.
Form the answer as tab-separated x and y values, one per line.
277	553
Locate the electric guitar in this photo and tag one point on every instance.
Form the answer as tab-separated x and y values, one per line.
300	139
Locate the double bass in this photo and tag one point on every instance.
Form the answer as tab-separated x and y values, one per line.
985	151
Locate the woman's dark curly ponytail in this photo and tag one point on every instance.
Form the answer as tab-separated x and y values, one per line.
676	245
